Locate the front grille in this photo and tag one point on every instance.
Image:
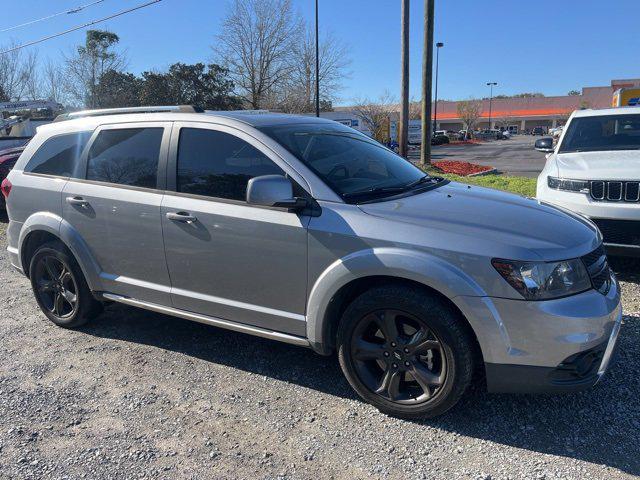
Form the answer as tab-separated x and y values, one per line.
598	268
615	190
622	232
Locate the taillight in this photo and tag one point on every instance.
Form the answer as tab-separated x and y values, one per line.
6	187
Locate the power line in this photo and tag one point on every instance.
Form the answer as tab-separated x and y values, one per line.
66	12
79	27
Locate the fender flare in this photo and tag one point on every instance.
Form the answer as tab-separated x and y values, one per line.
61	229
417	266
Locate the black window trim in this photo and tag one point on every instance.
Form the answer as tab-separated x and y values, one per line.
83	164
48	139
172	163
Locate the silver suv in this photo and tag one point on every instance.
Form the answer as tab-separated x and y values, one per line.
305	231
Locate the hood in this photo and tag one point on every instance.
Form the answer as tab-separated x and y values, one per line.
495	221
610	165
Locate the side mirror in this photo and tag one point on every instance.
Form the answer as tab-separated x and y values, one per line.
544	145
273	191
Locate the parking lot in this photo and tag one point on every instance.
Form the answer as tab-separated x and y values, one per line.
515	156
140	395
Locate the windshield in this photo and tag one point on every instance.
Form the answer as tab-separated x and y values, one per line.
599	133
348	161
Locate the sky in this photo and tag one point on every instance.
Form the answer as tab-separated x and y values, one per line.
548	46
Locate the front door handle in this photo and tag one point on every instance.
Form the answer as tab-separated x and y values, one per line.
81	202
181	217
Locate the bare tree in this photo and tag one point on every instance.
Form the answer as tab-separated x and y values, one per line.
375	115
469	112
52	81
503	121
298	91
17	69
258	38
88	62
415	109
32	78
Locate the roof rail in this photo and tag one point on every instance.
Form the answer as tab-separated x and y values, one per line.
120	111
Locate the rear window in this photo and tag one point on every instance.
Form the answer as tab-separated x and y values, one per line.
126	156
58	155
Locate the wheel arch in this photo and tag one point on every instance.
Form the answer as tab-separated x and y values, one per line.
347	278
44	227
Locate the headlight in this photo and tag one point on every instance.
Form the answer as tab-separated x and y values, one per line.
569	185
544	280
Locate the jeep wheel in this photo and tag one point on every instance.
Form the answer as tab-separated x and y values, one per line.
405	352
60	288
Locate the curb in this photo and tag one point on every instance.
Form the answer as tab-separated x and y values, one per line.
487	172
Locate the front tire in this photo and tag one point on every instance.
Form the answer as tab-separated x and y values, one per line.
406	352
60	288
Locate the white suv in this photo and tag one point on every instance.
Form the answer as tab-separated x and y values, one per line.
594	170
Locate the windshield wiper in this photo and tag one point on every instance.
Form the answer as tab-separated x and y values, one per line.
374	191
419	181
394	189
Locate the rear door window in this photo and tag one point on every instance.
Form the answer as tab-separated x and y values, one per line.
58	155
126	156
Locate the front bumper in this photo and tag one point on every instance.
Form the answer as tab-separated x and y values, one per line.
619	222
578	372
527	345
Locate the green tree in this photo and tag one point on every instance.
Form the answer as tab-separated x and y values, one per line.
118	89
89	62
207	86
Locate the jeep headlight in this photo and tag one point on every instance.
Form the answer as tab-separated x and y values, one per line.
568	184
544	280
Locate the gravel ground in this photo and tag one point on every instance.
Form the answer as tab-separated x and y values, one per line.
141	395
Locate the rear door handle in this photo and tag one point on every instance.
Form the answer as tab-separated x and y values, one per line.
77	201
181	217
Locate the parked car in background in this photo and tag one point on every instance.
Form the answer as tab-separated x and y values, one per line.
490	134
538	131
439	140
303	230
8	158
594	170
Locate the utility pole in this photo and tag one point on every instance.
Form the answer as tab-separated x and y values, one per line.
317	66
427	74
403	125
435	103
491	85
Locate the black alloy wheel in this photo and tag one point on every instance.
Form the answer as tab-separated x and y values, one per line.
406	351
60	288
56	286
398	357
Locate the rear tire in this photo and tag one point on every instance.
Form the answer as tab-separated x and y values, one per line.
60	288
406	352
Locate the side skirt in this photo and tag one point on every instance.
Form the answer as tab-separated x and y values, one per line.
216	322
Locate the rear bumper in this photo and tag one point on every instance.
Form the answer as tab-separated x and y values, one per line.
14	258
578	372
